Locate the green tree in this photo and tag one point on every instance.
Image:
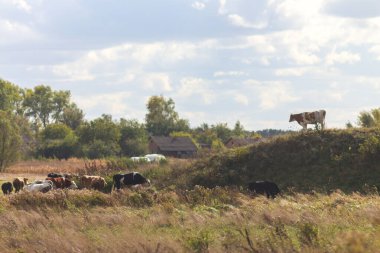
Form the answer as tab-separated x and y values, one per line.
61	101
99	138
222	131
238	130
134	138
10	139
162	119
369	119
57	141
43	104
11	97
72	116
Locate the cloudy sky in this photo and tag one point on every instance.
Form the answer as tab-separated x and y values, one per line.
255	61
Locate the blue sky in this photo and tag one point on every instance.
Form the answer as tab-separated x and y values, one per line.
221	61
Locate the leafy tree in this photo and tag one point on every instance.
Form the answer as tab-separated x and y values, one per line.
11	97
72	116
44	104
162	119
222	131
369	119
99	137
134	138
10	139
58	140
238	130
61	101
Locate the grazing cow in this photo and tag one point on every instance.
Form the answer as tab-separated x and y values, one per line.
19	183
54	175
7	188
61	183
309	118
93	182
129	179
40	186
265	188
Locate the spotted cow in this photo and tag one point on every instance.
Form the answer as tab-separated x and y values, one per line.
93	182
19	183
305	118
61	183
129	179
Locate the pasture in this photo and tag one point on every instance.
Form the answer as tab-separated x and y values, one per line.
176	214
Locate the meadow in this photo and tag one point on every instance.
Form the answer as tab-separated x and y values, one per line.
202	205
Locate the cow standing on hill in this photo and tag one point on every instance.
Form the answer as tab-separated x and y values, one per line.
129	179
309	118
267	188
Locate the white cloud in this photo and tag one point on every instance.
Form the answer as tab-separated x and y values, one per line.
22	4
241	22
342	57
198	5
134	56
241	99
222	7
376	51
272	93
196	86
110	103
157	82
15	32
229	73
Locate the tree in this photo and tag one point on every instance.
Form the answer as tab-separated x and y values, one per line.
72	116
44	104
222	131
369	119
134	138
162	119
238	130
99	138
61	101
11	97
10	139
57	141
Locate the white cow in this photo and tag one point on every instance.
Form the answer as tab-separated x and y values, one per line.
40	186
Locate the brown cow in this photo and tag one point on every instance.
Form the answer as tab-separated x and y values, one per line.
309	118
93	182
19	183
61	182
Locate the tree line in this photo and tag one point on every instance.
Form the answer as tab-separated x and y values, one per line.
45	123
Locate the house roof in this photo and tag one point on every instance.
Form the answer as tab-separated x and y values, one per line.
167	143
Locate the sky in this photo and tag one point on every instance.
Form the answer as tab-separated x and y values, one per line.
256	61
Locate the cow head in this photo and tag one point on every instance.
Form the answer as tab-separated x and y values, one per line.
291	118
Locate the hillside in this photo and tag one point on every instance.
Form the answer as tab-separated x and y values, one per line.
321	161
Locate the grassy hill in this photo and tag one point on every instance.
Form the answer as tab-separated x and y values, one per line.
321	161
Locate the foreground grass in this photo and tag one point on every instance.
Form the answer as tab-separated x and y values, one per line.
200	220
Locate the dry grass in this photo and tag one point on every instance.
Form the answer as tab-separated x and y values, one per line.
200	220
72	165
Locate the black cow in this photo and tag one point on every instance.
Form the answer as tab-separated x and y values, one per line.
264	187
129	179
7	188
54	175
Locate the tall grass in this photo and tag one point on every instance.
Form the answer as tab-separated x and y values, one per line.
200	220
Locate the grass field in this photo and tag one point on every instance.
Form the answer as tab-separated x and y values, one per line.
199	220
176	214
